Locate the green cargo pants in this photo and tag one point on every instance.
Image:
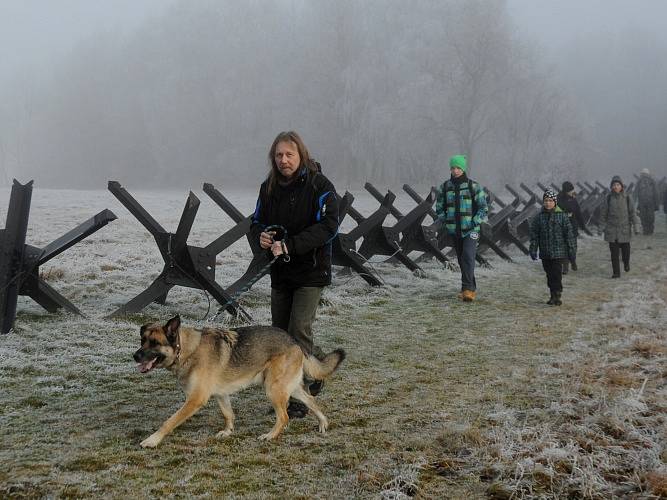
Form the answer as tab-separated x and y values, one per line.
294	311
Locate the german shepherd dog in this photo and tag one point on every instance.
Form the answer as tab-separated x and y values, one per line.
215	362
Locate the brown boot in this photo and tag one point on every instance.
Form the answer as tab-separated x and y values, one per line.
468	295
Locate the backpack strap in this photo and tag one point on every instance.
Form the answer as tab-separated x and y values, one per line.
627	202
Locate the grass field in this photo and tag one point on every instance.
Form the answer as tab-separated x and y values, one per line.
503	398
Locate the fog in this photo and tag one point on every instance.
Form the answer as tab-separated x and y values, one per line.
160	93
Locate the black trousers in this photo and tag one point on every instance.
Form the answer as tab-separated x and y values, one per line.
624	248
647	216
554	270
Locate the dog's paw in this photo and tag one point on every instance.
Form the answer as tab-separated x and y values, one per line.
151	441
224	433
266	437
324	425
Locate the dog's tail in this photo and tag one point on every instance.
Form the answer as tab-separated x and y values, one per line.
320	369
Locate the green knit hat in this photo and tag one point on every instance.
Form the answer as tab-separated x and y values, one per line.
458	161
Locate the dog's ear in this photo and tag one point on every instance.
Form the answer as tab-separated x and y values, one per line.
172	326
143	328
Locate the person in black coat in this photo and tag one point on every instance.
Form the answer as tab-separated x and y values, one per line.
296	217
567	201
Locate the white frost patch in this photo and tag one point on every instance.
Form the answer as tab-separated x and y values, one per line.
403	485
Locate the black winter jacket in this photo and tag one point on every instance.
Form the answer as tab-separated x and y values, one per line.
308	209
570	206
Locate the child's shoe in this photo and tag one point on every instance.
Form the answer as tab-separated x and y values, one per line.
557	301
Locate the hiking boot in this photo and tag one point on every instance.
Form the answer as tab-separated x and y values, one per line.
615	275
468	295
551	299
557	301
296	409
316	387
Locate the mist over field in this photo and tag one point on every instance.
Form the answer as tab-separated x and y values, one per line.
172	93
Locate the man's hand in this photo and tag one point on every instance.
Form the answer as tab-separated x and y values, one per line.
266	239
278	248
533	255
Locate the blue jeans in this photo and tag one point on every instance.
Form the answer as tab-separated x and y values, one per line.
466	249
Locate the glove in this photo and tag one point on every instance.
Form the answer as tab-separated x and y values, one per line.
533	255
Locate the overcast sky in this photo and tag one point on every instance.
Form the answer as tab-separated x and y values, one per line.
40	32
556	23
606	56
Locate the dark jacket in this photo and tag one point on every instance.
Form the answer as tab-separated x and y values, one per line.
570	206
551	233
647	194
308	209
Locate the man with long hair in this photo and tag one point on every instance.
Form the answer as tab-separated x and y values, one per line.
296	217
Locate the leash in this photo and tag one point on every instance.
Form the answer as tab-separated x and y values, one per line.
280	230
370	263
173	263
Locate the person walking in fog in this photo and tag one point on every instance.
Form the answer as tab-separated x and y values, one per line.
618	219
567	201
296	215
461	206
648	200
552	239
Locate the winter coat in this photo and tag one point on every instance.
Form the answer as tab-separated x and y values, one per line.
308	209
552	233
647	194
570	206
618	217
461	206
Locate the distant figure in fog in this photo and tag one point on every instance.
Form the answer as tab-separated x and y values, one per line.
567	201
648	200
461	206
552	239
618	219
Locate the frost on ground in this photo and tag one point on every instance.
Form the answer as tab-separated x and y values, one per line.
505	397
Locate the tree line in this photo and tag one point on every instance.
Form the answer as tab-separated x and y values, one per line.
381	90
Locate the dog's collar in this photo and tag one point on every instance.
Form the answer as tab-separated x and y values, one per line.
178	349
178	346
